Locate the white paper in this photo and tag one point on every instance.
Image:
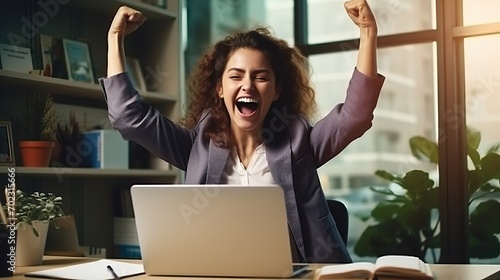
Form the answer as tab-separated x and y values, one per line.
96	270
16	58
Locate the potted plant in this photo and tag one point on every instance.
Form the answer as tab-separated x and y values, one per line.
409	222
33	214
41	120
70	136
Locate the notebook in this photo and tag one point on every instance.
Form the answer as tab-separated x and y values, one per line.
93	270
213	230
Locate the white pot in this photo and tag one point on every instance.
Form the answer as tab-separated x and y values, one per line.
29	247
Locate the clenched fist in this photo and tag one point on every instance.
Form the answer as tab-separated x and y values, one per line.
126	21
360	13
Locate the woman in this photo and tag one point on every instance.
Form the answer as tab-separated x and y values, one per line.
247	122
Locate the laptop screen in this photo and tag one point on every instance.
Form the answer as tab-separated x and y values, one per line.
213	230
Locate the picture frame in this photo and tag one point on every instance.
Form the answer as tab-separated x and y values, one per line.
7	156
134	69
78	62
53	57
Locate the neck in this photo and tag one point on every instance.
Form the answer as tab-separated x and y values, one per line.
245	145
245	148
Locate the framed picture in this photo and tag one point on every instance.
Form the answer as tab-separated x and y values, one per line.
6	144
78	61
135	72
54	63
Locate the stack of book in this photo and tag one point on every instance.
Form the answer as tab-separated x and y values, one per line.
125	238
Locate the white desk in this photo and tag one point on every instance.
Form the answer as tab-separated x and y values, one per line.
441	271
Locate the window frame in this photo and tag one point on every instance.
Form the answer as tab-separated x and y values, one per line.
449	37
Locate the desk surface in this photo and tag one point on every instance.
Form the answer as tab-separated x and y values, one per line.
441	271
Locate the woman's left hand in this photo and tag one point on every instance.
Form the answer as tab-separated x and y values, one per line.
360	13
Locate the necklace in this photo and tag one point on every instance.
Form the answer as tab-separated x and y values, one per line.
247	158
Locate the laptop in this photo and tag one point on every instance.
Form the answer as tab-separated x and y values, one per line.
213	230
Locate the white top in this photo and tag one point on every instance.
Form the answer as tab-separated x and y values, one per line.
257	173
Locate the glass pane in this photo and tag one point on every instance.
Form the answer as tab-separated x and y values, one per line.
329	22
480	11
228	15
482	82
406	108
208	21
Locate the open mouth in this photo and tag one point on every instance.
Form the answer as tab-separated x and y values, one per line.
247	105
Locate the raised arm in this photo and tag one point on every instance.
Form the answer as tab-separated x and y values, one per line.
351	119
360	13
126	21
135	119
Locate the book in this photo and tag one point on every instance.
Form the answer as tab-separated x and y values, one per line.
135	73
95	270
53	59
385	267
105	149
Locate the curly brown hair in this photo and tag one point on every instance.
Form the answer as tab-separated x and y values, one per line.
290	67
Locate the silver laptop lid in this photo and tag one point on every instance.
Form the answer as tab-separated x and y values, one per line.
212	230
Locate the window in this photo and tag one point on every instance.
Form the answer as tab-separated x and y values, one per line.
208	21
482	90
423	64
480	11
387	141
437	84
407	97
328	21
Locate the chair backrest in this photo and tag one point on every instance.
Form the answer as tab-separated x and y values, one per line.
341	217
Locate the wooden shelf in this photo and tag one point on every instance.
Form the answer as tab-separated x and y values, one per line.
69	88
77	172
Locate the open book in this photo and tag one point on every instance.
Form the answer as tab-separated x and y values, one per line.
385	267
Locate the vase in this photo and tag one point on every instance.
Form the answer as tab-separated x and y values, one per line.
36	153
29	247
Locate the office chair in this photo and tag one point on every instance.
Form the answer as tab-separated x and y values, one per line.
341	217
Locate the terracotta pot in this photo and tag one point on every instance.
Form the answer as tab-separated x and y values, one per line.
36	153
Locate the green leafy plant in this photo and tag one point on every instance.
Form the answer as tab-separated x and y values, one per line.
37	207
408	223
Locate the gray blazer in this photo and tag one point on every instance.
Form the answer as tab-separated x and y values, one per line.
294	151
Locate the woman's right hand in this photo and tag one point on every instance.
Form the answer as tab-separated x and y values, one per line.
126	21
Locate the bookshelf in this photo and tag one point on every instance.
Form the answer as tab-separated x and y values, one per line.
83	172
61	87
91	195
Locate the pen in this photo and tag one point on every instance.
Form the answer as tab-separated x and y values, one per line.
115	276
